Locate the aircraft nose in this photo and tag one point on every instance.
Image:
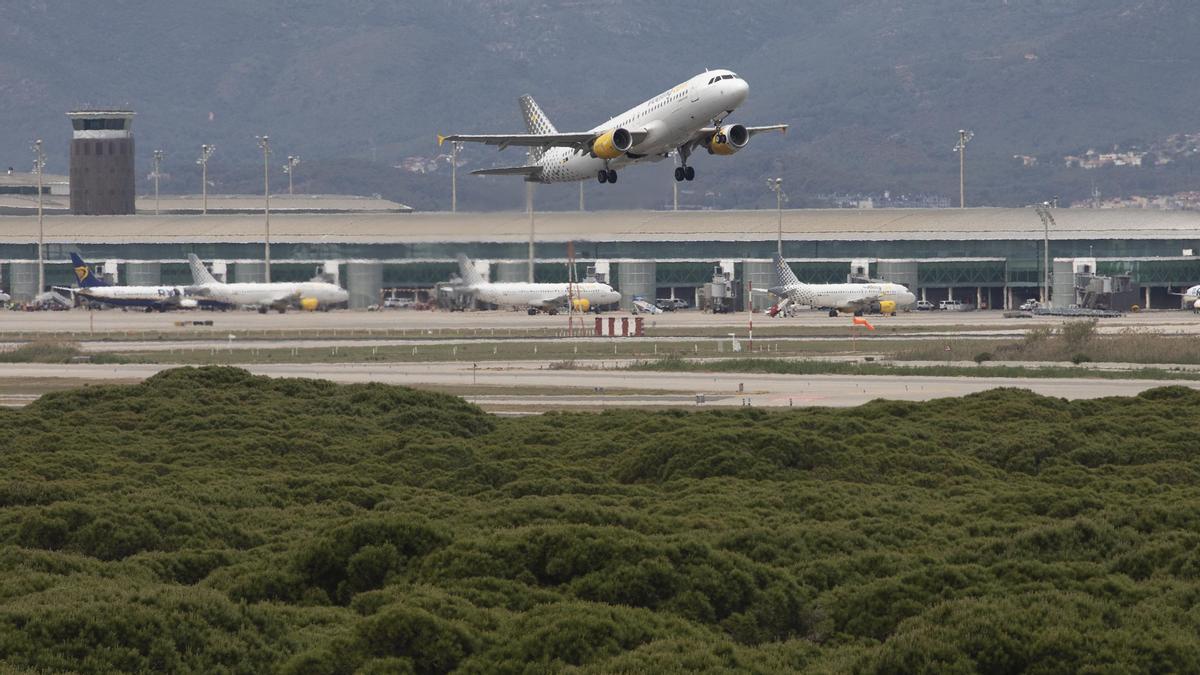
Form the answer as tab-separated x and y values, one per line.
739	89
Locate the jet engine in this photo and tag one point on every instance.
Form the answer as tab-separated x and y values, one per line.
309	304
612	144
728	140
1196	305
887	307
581	304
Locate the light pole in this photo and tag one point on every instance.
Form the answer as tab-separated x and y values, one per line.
264	142
964	137
206	151
39	165
290	169
158	158
529	207
776	186
455	146
1043	211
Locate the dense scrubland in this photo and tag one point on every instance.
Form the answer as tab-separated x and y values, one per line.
211	521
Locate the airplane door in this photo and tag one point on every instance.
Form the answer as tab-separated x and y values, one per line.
695	94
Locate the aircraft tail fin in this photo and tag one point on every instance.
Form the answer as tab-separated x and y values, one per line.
466	269
83	274
200	273
787	278
536	122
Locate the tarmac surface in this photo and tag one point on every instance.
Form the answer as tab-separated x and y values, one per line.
534	386
596	388
117	322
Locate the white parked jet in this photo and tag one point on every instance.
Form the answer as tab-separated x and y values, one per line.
680	120
545	297
1191	298
280	295
849	298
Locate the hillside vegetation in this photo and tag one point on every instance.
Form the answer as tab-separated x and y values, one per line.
208	520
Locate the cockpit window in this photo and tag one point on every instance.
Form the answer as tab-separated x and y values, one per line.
727	77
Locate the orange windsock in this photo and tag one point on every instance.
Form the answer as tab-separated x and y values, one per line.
860	321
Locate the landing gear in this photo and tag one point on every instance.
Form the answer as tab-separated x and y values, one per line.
683	171
606	176
531	310
833	313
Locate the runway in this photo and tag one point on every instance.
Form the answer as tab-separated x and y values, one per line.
112	323
595	388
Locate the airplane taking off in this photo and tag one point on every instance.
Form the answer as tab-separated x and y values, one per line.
849	298
680	120
545	297
151	298
307	295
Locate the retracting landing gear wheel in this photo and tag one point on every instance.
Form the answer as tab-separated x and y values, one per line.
680	174
602	176
612	175
689	173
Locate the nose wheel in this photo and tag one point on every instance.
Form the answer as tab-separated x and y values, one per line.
606	175
683	173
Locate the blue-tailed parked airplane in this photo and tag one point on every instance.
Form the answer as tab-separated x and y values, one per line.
150	298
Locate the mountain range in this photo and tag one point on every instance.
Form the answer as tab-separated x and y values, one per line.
875	90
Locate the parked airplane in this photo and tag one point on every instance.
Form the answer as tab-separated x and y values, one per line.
150	298
886	297
545	297
680	120
307	295
1191	297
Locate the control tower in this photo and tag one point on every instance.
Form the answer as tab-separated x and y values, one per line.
102	177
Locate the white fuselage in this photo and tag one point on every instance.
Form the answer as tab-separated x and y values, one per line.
847	296
1191	297
670	119
524	294
138	296
274	293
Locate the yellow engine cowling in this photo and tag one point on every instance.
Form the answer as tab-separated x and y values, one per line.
728	140
612	144
887	307
309	304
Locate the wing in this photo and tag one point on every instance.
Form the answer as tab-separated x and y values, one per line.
704	133
782	128
528	171
578	140
550	301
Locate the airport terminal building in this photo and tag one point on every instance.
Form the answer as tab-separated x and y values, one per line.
992	257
